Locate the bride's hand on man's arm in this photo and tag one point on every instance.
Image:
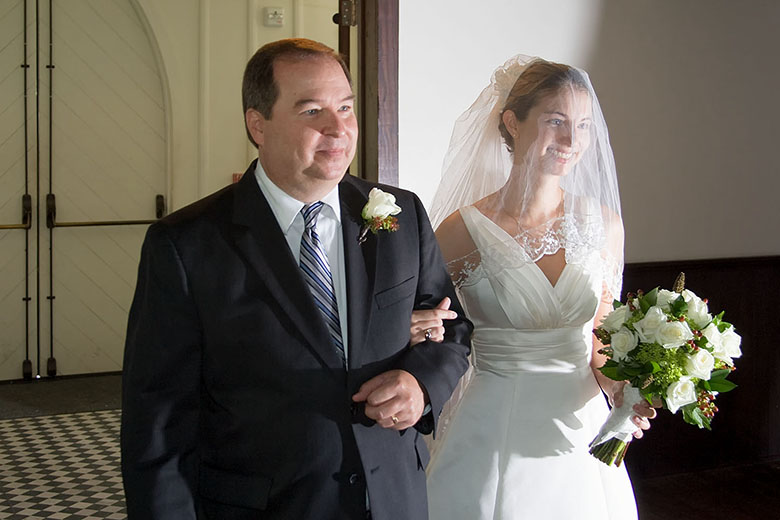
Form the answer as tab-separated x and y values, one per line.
644	411
428	324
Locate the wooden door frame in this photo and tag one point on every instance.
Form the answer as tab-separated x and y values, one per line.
378	90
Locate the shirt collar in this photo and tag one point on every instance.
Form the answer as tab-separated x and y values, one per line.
285	207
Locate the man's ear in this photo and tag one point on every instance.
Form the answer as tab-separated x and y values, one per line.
255	125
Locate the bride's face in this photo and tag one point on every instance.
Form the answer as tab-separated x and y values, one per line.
556	132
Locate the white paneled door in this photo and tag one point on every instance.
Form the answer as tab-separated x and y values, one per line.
83	133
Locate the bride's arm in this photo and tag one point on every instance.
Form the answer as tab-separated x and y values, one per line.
428	324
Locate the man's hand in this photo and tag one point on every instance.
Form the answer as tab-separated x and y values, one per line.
394	399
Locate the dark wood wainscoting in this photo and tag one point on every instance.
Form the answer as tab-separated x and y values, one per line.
746	430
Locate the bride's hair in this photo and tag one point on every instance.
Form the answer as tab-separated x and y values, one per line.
539	79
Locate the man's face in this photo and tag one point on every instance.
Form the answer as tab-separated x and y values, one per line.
309	141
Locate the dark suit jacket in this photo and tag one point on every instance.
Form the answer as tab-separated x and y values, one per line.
235	403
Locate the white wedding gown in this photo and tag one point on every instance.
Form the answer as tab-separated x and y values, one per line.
516	446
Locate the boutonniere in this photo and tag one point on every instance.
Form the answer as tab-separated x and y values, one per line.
378	214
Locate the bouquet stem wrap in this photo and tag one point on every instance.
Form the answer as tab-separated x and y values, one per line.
611	443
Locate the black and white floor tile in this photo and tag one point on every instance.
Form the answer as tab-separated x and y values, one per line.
61	467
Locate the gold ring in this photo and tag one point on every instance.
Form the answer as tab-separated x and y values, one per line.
427	333
394	419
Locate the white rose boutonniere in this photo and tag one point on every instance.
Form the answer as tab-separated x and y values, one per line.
378	214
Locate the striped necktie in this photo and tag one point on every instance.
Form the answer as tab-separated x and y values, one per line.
316	271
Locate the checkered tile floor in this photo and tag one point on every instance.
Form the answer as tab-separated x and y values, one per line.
61	467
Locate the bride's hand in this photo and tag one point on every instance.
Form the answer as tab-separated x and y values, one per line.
644	411
428	324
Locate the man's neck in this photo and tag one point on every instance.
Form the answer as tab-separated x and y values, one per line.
308	192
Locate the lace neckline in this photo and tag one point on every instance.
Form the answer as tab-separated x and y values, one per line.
582	239
534	243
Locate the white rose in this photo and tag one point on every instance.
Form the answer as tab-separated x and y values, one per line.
648	326
700	364
380	204
673	334
680	393
623	342
615	319
665	298
697	309
731	342
715	342
712	334
729	346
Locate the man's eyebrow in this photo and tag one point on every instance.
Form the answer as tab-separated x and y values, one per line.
310	101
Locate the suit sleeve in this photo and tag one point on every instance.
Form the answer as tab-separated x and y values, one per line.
160	387
437	366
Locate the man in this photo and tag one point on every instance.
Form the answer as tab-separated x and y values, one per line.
267	369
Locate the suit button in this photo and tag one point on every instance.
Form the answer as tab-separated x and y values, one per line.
354	479
353	409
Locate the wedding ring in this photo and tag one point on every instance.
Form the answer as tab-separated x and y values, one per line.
394	419
427	333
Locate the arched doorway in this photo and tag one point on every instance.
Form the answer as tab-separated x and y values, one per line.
84	134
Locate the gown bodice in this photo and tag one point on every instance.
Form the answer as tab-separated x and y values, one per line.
521	320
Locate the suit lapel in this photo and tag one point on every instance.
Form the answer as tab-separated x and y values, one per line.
258	235
360	267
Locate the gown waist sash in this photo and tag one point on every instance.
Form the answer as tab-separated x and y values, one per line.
513	351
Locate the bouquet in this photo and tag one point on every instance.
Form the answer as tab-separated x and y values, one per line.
667	345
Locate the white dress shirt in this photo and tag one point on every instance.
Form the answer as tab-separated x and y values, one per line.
287	211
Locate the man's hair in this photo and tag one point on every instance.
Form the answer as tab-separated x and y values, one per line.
259	90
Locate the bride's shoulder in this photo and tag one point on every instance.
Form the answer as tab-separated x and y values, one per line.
454	222
454	238
488	204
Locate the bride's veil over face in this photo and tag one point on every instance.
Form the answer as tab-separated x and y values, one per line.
532	154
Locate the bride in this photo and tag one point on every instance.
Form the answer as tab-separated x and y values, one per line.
528	217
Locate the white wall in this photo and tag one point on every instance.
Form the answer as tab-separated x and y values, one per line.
689	90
